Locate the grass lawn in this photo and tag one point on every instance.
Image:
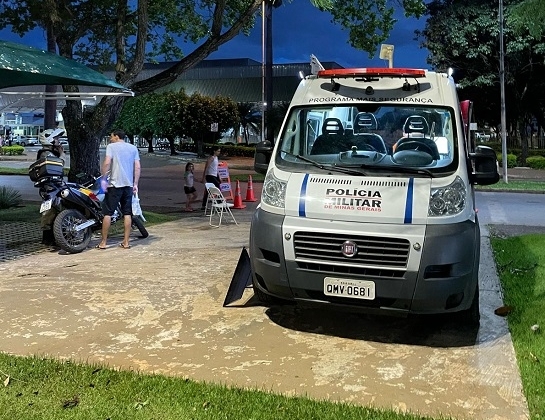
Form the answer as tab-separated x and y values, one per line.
29	212
13	171
36	388
515	185
521	266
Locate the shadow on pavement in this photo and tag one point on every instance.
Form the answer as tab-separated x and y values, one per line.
429	331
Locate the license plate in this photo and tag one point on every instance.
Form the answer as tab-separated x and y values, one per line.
46	205
356	289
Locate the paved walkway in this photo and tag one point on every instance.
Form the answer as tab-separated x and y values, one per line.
158	308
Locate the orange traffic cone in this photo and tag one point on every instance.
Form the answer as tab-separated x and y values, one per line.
238	198
250	190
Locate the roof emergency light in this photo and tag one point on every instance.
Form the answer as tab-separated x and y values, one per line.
372	72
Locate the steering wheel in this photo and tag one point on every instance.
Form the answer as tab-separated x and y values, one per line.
415	145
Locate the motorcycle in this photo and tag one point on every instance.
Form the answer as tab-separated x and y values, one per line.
78	206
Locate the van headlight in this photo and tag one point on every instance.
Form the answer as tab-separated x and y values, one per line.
449	200
274	191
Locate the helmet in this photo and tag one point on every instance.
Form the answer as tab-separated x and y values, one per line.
44	137
47	137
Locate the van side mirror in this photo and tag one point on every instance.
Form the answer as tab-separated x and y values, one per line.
263	153
485	166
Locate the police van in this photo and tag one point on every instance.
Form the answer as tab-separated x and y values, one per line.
368	198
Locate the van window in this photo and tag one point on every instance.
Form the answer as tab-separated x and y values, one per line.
370	136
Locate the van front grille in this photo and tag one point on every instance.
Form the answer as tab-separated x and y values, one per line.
326	248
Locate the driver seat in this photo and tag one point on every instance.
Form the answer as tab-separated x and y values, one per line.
416	126
364	122
332	126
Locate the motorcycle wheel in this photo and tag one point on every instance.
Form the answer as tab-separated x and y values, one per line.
65	235
140	226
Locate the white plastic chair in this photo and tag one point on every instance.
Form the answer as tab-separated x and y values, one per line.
218	205
208	205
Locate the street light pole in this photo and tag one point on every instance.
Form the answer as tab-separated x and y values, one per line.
502	98
267	64
263	70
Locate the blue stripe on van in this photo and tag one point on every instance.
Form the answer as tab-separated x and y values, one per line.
409	202
302	197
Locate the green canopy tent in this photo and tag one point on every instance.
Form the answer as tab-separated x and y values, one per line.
26	66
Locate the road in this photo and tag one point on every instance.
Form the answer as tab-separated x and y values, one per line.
504	208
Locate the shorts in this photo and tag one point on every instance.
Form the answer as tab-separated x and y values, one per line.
115	196
190	190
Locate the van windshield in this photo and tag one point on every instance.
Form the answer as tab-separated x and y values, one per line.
370	136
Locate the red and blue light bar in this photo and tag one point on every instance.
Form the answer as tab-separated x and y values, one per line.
372	72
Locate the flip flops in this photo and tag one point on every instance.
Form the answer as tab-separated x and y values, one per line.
124	246
99	247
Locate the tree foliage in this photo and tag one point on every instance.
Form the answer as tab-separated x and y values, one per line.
205	111
250	119
464	35
275	117
369	22
172	114
125	34
528	15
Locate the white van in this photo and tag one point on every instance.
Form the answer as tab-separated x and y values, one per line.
368	197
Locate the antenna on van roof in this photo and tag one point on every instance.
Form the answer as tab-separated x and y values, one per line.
315	65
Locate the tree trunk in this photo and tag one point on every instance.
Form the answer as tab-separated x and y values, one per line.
200	147
524	142
87	127
173	151
84	148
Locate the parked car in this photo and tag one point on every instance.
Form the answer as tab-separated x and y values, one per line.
32	142
19	140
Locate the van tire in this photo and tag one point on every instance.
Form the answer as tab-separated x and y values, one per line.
266	298
472	316
261	296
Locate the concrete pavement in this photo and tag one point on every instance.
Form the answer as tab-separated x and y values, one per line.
158	308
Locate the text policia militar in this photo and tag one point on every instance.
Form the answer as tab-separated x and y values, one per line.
345	199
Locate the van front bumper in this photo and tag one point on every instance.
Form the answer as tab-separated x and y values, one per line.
443	280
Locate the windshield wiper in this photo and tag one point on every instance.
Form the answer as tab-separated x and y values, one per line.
334	168
400	169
